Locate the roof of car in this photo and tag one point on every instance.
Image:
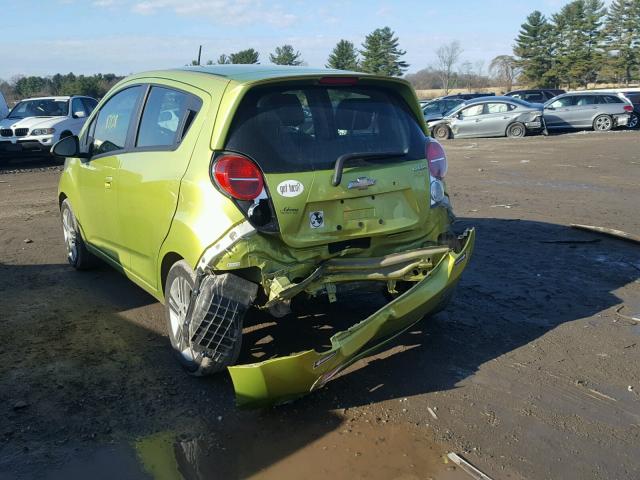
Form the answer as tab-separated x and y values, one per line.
244	73
489	99
589	93
56	97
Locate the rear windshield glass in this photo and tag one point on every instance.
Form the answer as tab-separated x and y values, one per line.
293	129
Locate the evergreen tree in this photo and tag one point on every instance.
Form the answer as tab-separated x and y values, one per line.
534	51
247	56
578	37
381	54
622	31
285	55
343	57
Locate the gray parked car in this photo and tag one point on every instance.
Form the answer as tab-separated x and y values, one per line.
600	111
489	117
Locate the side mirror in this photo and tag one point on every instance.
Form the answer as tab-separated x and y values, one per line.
80	114
67	147
550	108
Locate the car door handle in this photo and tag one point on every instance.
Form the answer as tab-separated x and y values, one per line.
477	120
107	182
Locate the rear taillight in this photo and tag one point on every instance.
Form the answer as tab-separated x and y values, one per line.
437	159
628	108
238	176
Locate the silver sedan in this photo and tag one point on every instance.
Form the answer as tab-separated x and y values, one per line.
600	111
490	117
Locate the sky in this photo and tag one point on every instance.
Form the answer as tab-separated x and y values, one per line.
126	36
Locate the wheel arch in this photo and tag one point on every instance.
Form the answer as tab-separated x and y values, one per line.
168	260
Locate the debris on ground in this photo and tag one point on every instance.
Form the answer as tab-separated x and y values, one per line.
626	317
608	231
467	467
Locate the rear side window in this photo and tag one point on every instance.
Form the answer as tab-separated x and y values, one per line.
499	107
611	99
163	118
112	123
305	128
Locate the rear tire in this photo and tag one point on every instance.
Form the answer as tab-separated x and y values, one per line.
77	254
603	123
516	130
441	132
178	288
634	121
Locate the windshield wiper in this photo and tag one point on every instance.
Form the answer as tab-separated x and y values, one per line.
342	159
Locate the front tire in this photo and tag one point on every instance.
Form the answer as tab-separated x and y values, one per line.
603	123
178	288
634	121
441	132
77	254
516	130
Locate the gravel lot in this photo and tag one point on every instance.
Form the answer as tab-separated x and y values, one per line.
531	373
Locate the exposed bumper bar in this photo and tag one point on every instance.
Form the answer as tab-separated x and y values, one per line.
281	379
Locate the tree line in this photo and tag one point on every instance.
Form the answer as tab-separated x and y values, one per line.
21	87
380	54
583	43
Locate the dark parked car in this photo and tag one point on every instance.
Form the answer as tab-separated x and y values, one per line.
438	108
469	96
634	98
598	110
489	117
536	96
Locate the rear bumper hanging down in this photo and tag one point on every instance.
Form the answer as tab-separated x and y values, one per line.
285	378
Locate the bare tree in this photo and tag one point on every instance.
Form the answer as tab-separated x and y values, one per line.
448	56
503	68
465	73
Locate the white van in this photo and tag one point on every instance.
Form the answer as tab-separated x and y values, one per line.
4	109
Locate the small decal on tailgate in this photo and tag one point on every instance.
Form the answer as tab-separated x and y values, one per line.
290	188
316	219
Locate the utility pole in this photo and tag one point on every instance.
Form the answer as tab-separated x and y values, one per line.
199	54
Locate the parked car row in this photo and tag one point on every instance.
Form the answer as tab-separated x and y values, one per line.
513	116
35	124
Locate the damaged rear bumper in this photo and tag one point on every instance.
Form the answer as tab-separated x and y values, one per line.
284	378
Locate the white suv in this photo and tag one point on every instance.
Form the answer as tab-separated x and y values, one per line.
35	124
4	109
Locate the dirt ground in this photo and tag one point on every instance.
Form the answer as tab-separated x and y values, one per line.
530	373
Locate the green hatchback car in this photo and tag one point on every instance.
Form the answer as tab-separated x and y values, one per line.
221	188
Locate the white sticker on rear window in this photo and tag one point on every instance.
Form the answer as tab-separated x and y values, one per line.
290	188
316	219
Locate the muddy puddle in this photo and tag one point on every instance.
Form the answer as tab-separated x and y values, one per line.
349	451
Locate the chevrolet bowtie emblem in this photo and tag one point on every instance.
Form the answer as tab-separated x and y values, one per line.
361	183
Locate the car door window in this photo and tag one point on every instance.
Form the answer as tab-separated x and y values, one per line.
473	111
497	108
585	100
89	104
110	128
78	109
563	102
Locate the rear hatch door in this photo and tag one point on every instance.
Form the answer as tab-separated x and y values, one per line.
297	131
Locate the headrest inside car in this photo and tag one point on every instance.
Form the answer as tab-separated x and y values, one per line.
354	114
286	106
